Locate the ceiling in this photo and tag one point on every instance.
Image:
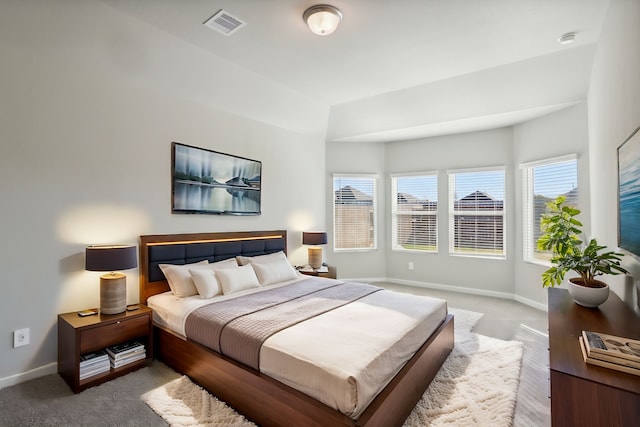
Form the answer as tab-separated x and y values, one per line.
381	46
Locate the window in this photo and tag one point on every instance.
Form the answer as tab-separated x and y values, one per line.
414	208
543	181
476	212
354	212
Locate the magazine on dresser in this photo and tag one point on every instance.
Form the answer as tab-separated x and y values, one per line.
604	363
612	348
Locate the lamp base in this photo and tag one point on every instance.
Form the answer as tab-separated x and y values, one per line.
113	293
315	257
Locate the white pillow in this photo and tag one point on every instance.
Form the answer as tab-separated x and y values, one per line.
205	278
179	278
226	263
261	259
206	282
237	279
274	272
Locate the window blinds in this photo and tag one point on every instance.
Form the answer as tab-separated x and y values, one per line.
354	212
477	212
543	181
415	212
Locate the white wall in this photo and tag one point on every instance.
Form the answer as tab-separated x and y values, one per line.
469	150
91	101
614	112
553	135
359	158
558	134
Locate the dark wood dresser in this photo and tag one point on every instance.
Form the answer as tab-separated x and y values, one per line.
583	394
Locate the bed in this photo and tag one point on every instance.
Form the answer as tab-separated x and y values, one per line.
266	398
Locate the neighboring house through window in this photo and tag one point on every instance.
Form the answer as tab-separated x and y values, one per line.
354	212
477	212
414	210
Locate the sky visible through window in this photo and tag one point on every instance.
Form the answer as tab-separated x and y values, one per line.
491	183
422	187
466	183
552	188
363	185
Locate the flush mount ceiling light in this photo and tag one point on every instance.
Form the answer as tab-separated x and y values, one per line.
322	19
567	38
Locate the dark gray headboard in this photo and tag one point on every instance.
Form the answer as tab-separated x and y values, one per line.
194	247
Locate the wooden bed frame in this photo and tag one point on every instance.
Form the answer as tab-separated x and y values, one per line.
264	400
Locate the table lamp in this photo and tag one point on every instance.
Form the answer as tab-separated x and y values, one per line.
314	253
113	285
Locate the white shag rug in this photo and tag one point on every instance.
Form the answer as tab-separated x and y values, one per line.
477	385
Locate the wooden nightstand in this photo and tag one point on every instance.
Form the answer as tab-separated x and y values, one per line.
78	336
331	274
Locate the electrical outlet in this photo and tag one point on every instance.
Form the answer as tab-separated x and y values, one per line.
20	337
410	266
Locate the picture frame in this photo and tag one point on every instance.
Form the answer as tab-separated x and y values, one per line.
629	194
210	182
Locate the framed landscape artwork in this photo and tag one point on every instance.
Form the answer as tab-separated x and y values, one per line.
629	194
209	182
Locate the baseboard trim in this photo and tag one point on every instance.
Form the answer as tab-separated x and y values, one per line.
530	302
50	368
458	289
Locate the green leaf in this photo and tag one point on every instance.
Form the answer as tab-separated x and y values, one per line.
560	235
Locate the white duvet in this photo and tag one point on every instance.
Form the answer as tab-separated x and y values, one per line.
342	358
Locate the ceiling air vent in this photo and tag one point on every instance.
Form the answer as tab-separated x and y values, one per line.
225	23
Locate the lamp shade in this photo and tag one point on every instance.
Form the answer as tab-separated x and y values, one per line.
314	238
110	258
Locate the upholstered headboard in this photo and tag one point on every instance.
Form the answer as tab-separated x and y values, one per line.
188	248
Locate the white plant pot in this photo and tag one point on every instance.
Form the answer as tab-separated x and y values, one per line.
588	297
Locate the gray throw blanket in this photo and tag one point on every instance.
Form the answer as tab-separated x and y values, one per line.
237	327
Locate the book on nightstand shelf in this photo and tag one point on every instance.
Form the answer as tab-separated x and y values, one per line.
616	365
92	358
129	359
119	351
125	353
93	364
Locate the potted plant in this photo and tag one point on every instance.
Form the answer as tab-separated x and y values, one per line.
560	236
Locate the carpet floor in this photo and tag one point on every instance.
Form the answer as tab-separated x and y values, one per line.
477	385
532	407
